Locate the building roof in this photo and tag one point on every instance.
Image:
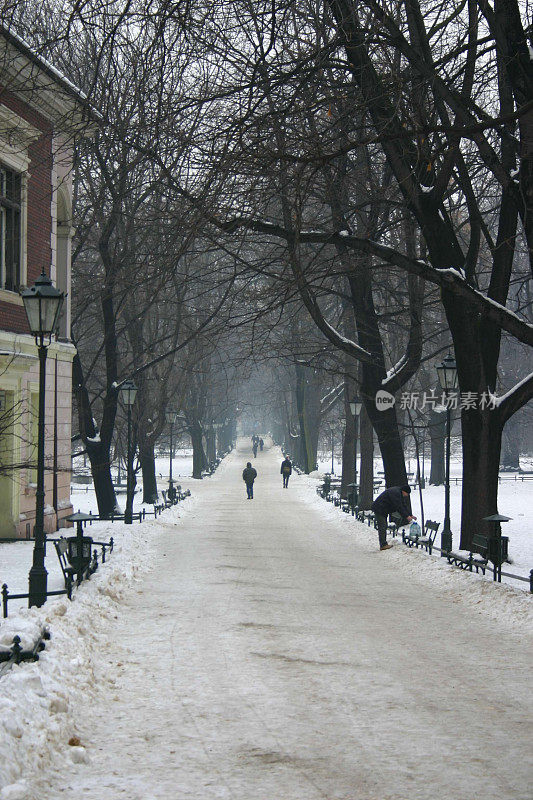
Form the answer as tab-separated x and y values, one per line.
23	78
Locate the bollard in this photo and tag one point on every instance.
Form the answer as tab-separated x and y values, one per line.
16	650
5	594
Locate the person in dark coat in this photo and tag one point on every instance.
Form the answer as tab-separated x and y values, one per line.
261	444
393	500
254	448
286	471
249	474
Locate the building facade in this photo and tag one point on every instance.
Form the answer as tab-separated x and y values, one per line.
40	113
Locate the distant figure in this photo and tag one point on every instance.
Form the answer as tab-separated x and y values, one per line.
286	471
261	444
396	499
249	474
254	448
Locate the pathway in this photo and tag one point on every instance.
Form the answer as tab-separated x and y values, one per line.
271	657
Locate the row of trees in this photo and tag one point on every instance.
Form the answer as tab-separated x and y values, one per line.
343	189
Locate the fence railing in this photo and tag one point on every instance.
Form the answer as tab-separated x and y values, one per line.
367	517
16	654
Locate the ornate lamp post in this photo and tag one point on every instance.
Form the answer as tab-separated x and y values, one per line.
171	418
42	303
447	372
332	431
355	408
128	391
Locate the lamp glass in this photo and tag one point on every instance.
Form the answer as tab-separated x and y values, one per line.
171	416
447	372
128	391
42	303
355	406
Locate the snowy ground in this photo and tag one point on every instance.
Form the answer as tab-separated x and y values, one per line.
268	650
515	500
16	557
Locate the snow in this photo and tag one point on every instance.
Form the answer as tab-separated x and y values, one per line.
267	649
515	500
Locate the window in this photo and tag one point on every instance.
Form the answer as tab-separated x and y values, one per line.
10	228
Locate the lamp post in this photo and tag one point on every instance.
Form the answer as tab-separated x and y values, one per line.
355	408
171	418
128	391
447	372
332	430
499	545
42	303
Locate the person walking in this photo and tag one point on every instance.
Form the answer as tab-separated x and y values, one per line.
254	448
249	474
286	471
261	444
393	500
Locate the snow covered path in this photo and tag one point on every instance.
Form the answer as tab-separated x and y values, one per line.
270	656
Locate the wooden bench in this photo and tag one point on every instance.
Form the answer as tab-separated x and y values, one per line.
68	570
425	539
365	516
476	558
397	523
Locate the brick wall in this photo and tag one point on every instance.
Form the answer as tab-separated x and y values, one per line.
39	215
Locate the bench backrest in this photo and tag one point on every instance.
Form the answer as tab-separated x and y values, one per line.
430	529
61	546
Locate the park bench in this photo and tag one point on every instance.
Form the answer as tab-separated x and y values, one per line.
366	516
476	558
397	523
62	549
69	570
427	539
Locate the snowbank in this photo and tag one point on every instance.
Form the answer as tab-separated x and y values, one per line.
38	701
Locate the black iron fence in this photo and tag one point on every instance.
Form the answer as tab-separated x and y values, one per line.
329	491
16	653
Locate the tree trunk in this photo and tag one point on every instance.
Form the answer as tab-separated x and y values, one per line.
307	443
510	458
147	460
482	433
437	432
348	447
98	453
385	425
366	478
199	461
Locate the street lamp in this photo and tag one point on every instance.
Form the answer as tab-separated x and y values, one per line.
171	418
42	303
447	372
128	391
355	408
332	430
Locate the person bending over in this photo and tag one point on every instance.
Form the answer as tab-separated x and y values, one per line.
393	500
